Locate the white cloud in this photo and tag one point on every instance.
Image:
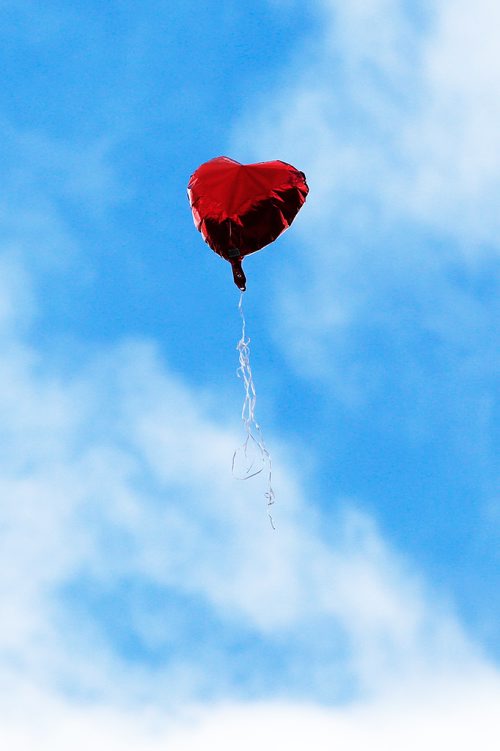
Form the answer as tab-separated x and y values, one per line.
458	716
453	141
432	720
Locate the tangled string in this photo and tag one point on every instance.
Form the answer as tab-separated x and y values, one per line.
252	457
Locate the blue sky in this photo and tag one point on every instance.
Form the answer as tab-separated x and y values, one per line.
146	601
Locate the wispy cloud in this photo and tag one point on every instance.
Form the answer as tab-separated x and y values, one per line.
398	112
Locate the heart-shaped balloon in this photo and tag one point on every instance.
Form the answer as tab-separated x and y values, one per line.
240	208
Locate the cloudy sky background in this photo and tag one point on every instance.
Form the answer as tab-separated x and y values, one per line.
146	601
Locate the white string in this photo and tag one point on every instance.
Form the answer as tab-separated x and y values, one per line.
253	453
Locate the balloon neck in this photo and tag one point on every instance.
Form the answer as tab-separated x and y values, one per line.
238	274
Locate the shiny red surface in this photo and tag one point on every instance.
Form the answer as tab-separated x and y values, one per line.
240	208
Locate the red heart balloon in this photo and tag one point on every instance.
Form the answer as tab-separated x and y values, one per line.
240	208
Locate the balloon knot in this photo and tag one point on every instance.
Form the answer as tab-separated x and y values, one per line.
238	273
